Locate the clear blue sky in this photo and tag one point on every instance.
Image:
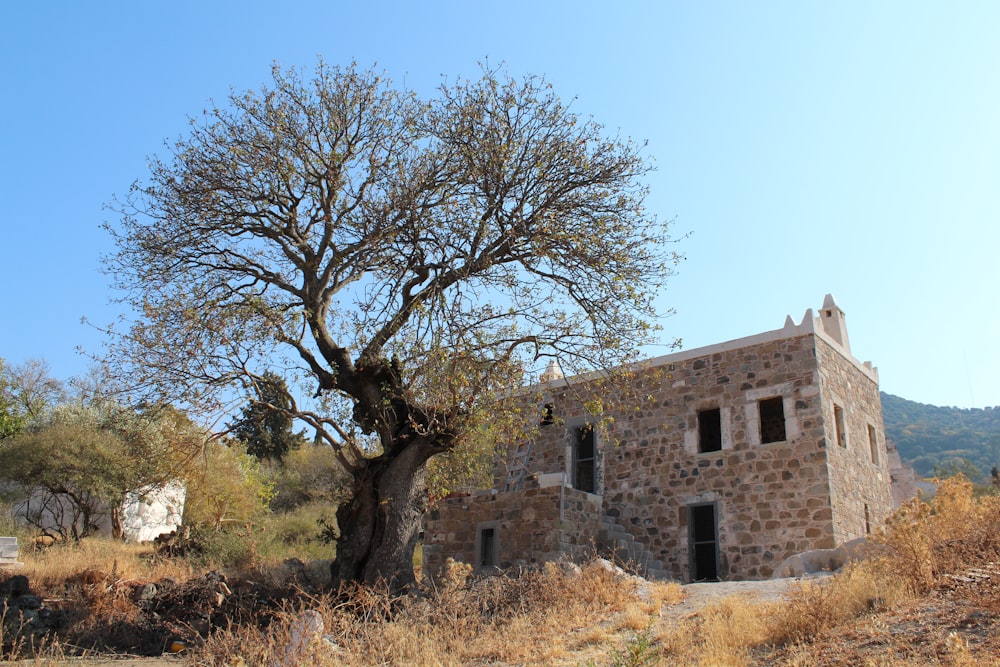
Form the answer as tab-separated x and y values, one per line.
809	147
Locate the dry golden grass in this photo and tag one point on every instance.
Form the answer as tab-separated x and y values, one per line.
52	567
537	618
564	617
952	532
925	542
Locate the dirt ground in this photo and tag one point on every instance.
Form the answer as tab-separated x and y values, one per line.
698	596
958	620
98	662
921	632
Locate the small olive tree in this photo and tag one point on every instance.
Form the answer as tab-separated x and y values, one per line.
77	463
225	488
405	260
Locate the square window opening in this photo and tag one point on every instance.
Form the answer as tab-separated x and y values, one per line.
772	420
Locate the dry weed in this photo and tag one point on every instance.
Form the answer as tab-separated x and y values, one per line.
817	605
731	627
635	617
541	617
49	569
952	532
594	634
720	634
535	618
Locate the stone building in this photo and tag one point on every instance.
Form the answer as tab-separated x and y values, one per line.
729	459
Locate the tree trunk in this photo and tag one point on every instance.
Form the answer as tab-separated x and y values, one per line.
117	529
379	526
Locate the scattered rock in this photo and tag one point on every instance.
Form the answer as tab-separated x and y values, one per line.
15	586
145	593
607	566
823	560
307	642
23	613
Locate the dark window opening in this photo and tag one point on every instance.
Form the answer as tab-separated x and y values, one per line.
838	423
868	521
873	443
709	430
772	420
583	455
548	415
704	542
487	547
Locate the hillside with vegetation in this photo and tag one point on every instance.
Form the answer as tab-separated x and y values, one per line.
946	437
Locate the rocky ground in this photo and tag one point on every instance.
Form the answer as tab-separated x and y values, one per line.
134	618
961	618
958	624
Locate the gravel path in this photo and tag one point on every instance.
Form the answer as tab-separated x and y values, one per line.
699	595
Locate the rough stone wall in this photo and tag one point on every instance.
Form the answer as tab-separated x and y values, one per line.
904	477
771	499
861	492
580	524
532	526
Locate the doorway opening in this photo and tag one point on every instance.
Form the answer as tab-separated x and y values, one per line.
703	537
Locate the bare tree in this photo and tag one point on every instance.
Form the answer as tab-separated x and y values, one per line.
406	259
27	390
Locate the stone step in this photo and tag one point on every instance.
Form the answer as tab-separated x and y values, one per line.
628	550
9	552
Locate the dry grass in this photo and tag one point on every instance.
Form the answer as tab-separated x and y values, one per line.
952	532
542	617
727	632
872	613
51	568
924	544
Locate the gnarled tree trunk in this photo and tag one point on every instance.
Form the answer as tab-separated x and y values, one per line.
379	526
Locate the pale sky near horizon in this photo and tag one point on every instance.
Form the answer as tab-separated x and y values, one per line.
806	147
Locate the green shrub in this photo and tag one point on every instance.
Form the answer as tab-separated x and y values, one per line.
226	489
231	549
308	474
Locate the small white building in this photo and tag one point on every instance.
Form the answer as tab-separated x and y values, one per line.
146	514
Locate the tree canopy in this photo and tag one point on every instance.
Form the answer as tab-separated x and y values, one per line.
77	463
26	392
403	262
265	426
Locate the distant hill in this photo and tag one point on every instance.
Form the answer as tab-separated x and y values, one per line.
927	435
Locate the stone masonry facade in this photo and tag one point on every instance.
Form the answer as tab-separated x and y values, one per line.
720	463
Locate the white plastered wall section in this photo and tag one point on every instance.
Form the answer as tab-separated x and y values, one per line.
810	324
